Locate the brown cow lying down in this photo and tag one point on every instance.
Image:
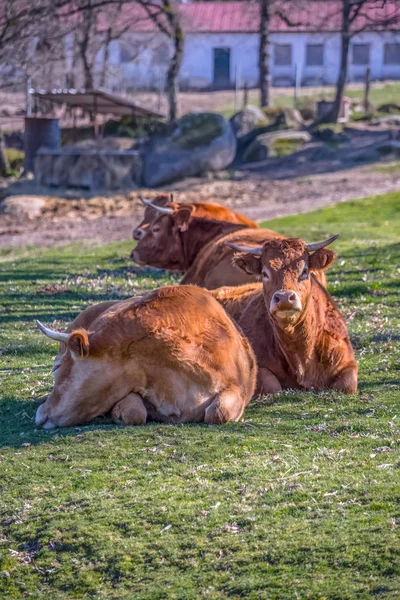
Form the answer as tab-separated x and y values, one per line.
298	335
173	242
173	355
214	266
196	209
182	243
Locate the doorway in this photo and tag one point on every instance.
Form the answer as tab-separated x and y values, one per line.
222	68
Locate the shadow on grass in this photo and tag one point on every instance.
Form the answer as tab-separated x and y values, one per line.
285	412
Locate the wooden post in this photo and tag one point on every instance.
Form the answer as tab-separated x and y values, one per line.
366	88
4	163
28	97
236	89
245	95
297	83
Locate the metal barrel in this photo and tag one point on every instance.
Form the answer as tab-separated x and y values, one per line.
39	132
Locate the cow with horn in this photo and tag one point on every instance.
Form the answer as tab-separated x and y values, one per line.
173	356
175	239
164	204
293	325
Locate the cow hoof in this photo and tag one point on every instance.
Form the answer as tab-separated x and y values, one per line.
267	383
129	411
227	406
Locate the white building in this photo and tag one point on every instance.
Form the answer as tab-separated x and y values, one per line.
221	45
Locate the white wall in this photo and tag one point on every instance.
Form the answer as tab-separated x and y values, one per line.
198	63
198	60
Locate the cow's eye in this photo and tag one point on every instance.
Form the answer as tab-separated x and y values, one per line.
265	275
304	274
156	228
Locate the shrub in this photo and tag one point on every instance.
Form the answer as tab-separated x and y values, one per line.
16	161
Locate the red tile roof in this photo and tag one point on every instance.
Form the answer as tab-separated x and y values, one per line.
243	17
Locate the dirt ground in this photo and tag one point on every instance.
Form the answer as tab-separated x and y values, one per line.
99	220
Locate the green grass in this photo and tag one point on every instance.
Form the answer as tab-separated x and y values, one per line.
393	167
379	94
301	500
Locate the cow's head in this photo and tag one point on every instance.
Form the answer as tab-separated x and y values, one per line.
284	267
160	245
84	382
151	214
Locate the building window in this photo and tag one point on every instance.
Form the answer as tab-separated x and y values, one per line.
128	52
283	55
360	54
391	55
315	55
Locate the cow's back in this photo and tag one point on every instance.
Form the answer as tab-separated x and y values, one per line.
213	267
210	210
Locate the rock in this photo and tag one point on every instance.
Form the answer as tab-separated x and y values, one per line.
248	119
261	147
389	120
293	117
23	207
257	151
389	107
329	135
89	168
389	146
199	142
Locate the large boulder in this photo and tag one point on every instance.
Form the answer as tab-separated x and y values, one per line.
198	143
248	119
264	144
89	168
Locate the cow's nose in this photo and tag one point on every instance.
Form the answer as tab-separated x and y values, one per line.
42	419
41	416
285	300
285	297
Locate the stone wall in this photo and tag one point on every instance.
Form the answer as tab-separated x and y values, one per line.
88	168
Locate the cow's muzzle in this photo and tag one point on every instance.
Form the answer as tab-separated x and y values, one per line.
138	234
42	419
134	255
285	304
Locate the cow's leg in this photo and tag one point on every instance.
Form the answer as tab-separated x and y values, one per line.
129	411
227	406
267	382
346	381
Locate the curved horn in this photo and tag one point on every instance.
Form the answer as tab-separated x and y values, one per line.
143	201
161	209
256	251
319	245
53	335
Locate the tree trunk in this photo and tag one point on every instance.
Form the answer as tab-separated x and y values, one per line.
103	74
4	163
176	60
344	55
263	52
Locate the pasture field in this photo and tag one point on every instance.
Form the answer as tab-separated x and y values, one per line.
301	500
380	93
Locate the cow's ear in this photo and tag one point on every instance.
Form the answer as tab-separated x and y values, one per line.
182	218
321	259
249	263
78	343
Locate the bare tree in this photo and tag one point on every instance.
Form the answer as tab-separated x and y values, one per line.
269	9
263	51
358	16
166	17
163	13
